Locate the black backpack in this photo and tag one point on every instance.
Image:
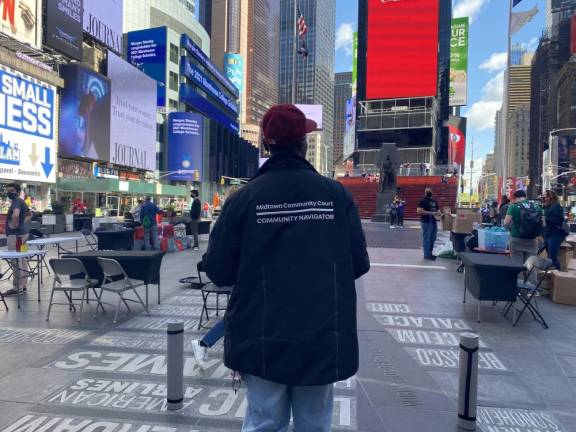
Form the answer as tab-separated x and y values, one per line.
530	225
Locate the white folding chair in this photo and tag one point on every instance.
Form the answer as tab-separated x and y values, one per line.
91	241
117	281
64	268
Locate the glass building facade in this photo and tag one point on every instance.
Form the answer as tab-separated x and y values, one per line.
314	76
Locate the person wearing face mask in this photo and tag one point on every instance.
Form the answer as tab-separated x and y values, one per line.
428	210
17	231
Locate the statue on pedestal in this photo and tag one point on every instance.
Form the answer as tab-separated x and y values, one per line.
387	173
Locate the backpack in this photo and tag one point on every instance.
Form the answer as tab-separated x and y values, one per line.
530	225
146	221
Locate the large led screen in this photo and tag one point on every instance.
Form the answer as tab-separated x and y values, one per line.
402	49
133	115
64	26
185	146
84	114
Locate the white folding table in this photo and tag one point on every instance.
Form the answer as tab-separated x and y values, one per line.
12	258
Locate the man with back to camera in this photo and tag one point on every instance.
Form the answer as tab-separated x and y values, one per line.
524	221
148	213
195	215
428	210
17	232
292	244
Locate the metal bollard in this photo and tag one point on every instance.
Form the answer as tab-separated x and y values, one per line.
175	365
468	383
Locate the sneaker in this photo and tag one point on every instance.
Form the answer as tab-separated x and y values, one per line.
430	258
200	353
392	227
11	292
195	248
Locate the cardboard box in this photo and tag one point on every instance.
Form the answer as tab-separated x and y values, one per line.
565	256
447	222
464	221
564	291
572	264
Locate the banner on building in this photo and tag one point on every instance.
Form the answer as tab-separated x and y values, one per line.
103	21
234	69
185	146
64	26
84	114
514	184
133	115
355	64
27	128
459	62
566	144
456	140
22	20
147	51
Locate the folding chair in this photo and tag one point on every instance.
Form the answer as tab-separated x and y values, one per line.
66	268
208	289
117	281
91	241
195	282
3	301
527	289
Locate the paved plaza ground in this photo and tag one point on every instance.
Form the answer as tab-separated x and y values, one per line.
94	376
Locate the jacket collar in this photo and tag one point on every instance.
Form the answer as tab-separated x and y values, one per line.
284	162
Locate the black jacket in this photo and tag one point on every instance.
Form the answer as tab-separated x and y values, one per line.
195	209
554	215
292	243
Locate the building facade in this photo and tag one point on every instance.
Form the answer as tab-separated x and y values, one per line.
566	95
342	92
519	136
309	80
317	151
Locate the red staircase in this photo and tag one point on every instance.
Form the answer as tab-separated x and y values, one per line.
411	189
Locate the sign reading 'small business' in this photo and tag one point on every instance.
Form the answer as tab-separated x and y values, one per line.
103	21
133	116
27	123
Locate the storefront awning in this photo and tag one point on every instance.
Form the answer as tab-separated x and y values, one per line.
120	186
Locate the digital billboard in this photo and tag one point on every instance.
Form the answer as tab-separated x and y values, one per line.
84	114
312	112
133	115
22	20
64	27
200	103
234	69
456	140
459	62
147	51
27	125
185	146
402	49
103	21
350	113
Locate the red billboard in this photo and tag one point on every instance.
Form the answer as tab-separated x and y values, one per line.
456	140
402	49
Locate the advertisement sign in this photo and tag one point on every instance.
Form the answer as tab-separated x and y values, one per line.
74	169
456	140
565	144
185	145
27	125
199	102
22	20
192	72
312	112
103	21
355	64
133	115
188	44
350	113
147	51
349	143
64	26
459	62
84	114
514	184
234	69
402	49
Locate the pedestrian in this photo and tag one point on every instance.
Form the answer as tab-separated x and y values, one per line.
291	243
503	210
428	210
554	233
400	203
422	169
17	230
524	221
195	216
136	212
393	210
148	213
494	215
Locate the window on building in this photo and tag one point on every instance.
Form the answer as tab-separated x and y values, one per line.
173	84
173	104
174	54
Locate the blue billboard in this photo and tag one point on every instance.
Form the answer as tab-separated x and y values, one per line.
147	51
188	69
84	114
194	50
234	69
185	146
195	100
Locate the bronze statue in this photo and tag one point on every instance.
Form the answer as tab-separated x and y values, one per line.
387	174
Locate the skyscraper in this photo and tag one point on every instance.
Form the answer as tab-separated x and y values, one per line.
249	28
342	92
314	75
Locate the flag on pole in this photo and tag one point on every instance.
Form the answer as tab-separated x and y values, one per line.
519	19
302	30
516	2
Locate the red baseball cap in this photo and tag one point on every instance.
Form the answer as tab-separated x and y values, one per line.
285	124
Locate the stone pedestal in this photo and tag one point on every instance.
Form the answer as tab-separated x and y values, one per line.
382	199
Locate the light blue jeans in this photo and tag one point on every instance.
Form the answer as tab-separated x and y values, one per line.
429	234
270	405
151	231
